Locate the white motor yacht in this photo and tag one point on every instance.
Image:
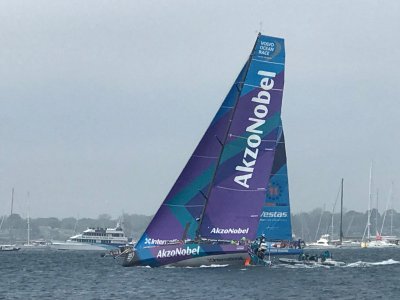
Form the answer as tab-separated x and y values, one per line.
323	243
94	239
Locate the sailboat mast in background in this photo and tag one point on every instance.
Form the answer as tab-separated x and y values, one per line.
341	213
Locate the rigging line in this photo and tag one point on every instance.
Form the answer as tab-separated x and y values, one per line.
182	205
348	227
277	174
387	207
256	86
319	222
333	212
245	138
268	62
204	156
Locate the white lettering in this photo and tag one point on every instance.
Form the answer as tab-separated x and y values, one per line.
242	179
229	230
254	140
178	252
274	214
261	111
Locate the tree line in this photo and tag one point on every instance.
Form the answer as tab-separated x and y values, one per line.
308	226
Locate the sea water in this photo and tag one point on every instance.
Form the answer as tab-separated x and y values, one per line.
52	274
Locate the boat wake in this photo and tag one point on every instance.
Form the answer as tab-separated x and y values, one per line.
364	264
199	267
358	264
300	266
213	266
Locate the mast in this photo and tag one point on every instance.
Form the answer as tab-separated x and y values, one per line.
376	213
29	224
302	226
2	221
76	223
391	221
12	201
388	204
319	222
391	212
11	230
239	87
341	213
369	204
333	212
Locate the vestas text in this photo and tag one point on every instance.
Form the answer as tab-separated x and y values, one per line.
254	140
274	214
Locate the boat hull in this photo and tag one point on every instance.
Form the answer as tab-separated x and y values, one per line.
321	247
328	262
378	244
195	255
9	248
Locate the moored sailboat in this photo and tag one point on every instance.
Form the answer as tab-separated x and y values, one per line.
326	241
212	212
9	247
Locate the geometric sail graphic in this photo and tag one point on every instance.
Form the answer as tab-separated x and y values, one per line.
179	214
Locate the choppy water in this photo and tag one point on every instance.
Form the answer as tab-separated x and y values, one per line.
369	274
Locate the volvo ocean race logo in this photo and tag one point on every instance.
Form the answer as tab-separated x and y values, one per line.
269	49
254	140
230	231
178	252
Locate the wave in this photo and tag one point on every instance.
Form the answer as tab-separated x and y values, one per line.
364	264
213	266
299	266
202	266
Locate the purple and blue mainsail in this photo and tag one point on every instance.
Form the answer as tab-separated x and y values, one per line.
222	190
239	190
179	215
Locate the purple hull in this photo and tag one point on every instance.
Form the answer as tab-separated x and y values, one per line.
196	255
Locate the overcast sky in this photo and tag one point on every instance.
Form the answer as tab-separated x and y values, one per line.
102	102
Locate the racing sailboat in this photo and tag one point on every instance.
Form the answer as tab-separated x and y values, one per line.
212	212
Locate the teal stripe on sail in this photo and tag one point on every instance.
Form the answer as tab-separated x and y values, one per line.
236	146
190	190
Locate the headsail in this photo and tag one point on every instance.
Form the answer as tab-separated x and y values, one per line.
177	218
275	222
239	189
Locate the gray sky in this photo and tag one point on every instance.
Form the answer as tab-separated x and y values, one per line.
102	102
